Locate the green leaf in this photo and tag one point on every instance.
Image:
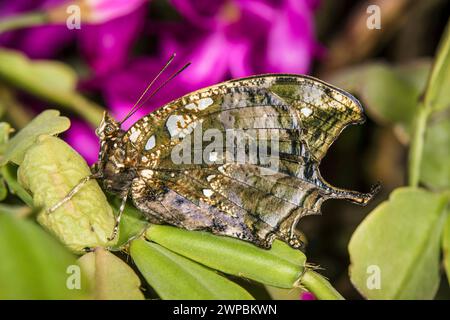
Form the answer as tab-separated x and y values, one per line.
320	286
108	277
435	164
51	168
435	99
415	73
9	174
3	189
436	96
34	265
12	108
132	223
16	210
399	242
284	294
176	278
280	266
49	80
446	245
5	130
23	20
389	93
48	122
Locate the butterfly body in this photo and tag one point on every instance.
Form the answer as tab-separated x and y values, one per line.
238	159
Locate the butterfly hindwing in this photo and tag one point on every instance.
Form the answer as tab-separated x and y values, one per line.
192	176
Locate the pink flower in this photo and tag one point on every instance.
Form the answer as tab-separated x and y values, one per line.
105	47
305	295
223	39
238	38
82	138
100	11
38	42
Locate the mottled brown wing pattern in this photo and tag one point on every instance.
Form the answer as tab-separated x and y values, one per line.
251	201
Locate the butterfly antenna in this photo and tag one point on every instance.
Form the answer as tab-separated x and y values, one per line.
173	75
136	105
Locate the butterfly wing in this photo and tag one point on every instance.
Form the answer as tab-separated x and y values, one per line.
201	163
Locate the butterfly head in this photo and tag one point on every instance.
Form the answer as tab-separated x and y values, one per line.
111	152
108	128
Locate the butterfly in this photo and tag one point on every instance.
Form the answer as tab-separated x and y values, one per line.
239	158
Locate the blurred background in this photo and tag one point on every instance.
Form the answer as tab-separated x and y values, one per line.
115	48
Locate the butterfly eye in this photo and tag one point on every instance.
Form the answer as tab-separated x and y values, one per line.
109	129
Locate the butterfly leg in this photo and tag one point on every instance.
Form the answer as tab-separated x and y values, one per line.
119	216
72	192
